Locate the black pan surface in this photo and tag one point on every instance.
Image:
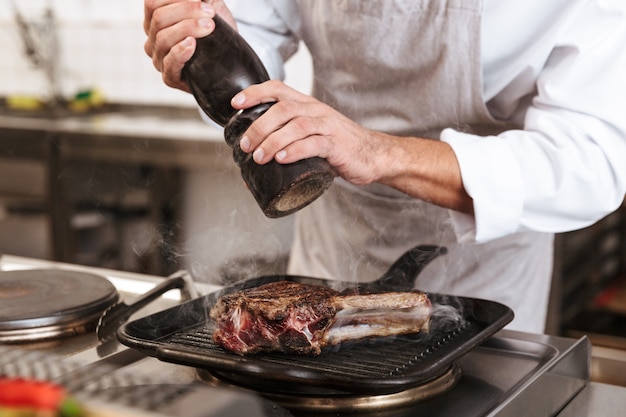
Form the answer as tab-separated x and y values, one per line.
183	335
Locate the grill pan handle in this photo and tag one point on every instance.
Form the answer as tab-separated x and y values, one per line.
402	274
119	313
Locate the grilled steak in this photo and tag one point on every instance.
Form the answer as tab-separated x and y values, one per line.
303	319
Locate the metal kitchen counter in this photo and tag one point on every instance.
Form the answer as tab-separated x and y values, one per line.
160	136
597	400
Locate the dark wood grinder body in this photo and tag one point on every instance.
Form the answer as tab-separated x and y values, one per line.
223	65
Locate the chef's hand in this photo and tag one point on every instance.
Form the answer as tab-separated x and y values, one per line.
172	27
298	126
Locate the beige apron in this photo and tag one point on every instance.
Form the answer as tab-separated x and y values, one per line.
408	68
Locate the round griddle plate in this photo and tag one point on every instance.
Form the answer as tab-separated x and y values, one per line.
47	298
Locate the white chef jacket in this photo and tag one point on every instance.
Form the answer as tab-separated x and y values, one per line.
558	68
542	74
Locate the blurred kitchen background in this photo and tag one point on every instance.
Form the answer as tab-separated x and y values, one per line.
101	164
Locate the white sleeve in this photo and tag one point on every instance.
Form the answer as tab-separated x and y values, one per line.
264	27
566	168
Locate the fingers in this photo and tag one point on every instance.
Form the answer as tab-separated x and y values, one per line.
174	62
267	92
172	27
294	128
221	9
173	22
298	126
149	6
289	131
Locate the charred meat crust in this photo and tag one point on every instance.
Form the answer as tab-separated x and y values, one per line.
303	319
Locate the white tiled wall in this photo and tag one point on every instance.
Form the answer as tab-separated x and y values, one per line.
100	46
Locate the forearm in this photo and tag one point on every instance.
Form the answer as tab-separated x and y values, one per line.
425	169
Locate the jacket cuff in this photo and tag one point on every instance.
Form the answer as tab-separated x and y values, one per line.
491	176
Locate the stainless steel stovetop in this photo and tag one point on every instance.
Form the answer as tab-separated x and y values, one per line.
512	374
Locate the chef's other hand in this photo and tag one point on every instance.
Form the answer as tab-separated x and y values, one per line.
172	27
299	126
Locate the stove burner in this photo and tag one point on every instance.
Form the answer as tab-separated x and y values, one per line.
45	303
316	400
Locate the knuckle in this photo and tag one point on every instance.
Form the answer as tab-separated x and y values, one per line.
160	40
274	83
158	37
158	19
286	108
166	78
147	47
157	63
303	125
149	4
256	129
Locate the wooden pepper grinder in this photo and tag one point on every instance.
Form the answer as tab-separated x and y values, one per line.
223	65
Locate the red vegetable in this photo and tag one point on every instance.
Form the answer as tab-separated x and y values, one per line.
21	392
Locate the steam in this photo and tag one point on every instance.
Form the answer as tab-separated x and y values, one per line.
447	317
226	237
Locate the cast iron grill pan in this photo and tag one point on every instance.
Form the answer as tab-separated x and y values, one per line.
183	335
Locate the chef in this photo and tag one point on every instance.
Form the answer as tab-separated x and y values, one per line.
485	126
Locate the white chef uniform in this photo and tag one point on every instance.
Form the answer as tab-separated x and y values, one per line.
416	68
